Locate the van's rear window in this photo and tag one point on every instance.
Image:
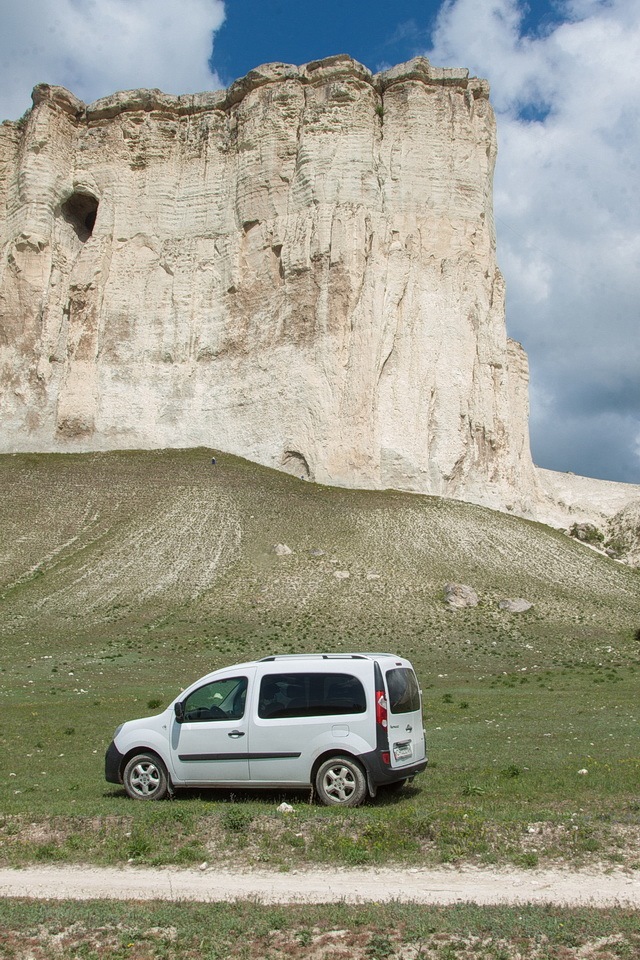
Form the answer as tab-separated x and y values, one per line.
404	694
310	695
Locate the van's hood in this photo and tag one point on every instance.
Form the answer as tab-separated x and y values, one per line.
144	722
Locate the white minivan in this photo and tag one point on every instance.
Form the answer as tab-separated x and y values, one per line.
343	724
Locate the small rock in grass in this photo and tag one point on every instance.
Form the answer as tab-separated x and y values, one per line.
282	550
457	596
341	574
518	605
583	772
285	808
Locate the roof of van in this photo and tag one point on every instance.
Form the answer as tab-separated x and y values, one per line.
300	658
328	656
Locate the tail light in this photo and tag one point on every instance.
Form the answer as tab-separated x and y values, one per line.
381	709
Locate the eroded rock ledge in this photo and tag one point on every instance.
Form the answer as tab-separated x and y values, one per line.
314	73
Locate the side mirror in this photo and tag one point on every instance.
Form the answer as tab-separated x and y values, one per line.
178	708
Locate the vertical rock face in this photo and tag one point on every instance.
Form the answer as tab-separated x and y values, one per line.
300	270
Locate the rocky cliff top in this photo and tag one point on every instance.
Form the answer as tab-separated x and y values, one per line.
317	72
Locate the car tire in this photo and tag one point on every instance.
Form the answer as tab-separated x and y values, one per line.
340	781
145	777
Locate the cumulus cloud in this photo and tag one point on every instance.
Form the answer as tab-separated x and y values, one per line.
95	47
568	214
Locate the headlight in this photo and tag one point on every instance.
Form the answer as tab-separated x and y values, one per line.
118	729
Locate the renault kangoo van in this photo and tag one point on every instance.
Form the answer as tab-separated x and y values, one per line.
343	724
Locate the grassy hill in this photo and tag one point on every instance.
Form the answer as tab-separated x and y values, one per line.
125	576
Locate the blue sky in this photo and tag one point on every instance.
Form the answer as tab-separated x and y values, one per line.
378	33
564	79
372	31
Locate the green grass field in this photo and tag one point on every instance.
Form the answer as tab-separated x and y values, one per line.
170	931
125	576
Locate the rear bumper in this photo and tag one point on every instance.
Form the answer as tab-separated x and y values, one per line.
379	773
113	764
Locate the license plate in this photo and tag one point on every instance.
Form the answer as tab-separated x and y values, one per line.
403	751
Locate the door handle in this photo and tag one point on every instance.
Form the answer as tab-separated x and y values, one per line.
236	733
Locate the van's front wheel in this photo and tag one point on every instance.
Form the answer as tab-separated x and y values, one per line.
340	781
145	777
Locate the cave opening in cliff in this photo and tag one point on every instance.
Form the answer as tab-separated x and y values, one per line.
81	210
296	463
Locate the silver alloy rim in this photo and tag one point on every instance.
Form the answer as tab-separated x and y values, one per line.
145	778
339	783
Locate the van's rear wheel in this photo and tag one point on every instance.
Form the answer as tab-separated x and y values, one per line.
145	777
340	781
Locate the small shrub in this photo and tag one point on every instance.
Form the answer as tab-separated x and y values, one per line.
237	820
586	533
46	852
528	859
379	947
616	546
22	121
424	828
511	771
138	847
154	703
472	790
589	844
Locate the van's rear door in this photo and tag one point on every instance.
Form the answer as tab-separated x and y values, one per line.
406	732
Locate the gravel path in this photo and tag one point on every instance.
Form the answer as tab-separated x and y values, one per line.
444	886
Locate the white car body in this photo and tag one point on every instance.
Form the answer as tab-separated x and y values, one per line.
278	722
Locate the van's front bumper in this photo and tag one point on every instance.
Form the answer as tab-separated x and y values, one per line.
380	773
113	764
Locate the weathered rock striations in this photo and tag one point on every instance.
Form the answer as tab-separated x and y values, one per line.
300	270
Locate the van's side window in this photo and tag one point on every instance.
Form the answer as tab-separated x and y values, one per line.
219	700
404	694
310	695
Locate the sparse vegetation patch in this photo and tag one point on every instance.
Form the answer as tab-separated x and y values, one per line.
249	931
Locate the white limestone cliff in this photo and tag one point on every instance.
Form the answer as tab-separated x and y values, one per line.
300	270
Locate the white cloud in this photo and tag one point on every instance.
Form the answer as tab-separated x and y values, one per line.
568	214
95	47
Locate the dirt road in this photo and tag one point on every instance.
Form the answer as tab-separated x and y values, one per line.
444	886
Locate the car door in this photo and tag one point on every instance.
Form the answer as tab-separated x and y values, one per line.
300	714
209	744
406	731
